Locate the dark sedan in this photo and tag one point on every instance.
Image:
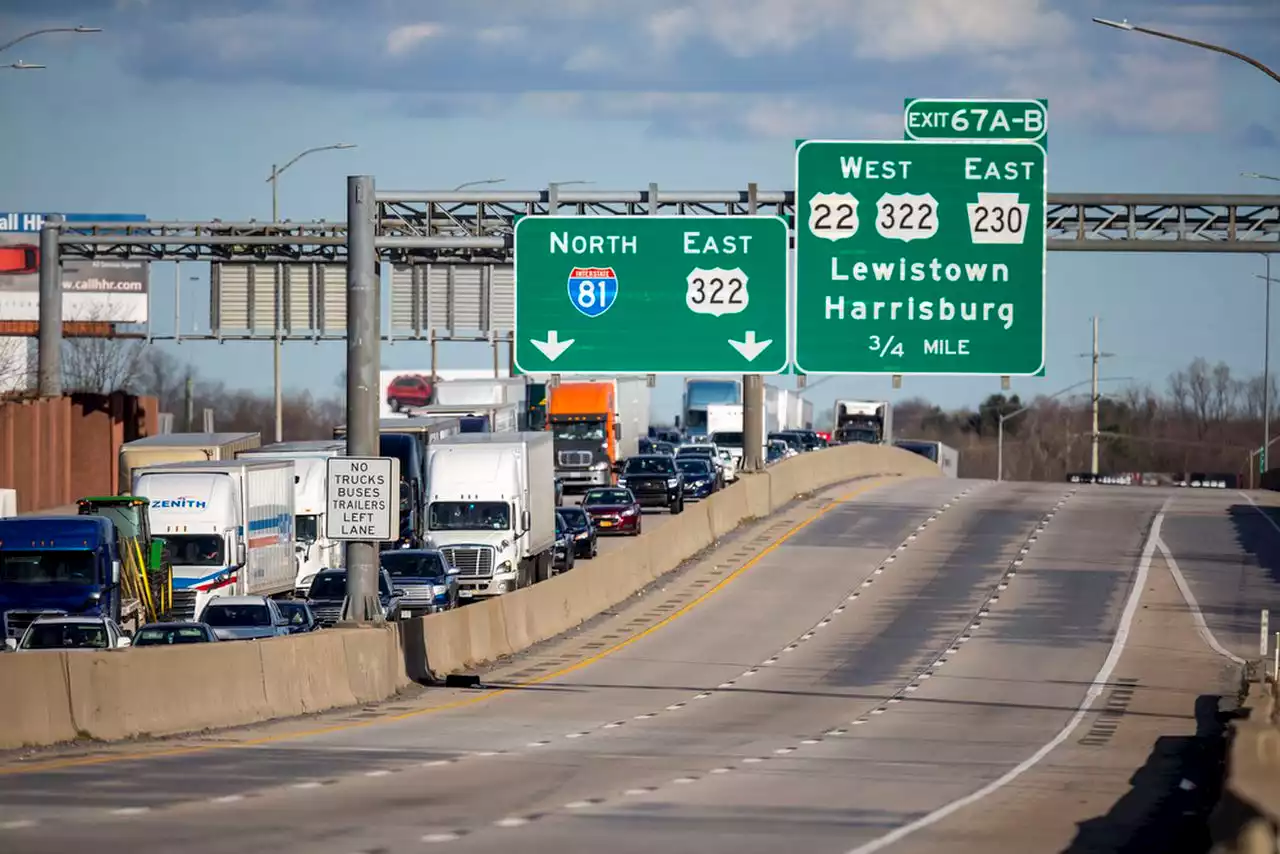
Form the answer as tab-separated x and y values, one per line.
585	542
299	614
699	476
565	549
613	510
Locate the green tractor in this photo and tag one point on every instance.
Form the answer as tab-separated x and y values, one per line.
146	572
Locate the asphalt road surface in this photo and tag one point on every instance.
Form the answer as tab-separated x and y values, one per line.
829	676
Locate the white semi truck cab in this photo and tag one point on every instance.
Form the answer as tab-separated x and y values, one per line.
492	509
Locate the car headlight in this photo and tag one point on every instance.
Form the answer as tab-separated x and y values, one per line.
630	511
306	580
439	590
582	535
698	483
673	481
622	480
599	466
505	566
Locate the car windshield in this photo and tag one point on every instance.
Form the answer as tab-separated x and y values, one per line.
66	636
607	496
170	635
694	451
664	448
53	567
329	586
578	430
649	465
294	612
413	564
306	528
574	517
196	549
236	616
470	516
694	466
733	440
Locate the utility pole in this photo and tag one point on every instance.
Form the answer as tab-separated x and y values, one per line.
1094	398
49	340
752	391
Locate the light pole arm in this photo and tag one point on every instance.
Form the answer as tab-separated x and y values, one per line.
276	173
1122	25
42	32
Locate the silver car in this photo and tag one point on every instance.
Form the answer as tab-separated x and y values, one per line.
67	633
244	618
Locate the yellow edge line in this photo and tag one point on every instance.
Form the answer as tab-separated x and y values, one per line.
80	762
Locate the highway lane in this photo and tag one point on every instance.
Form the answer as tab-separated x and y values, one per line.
1227	544
741	625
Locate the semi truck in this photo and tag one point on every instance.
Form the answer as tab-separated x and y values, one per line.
492	509
61	566
947	458
699	394
229	527
595	425
407	439
181	447
862	421
475	417
314	550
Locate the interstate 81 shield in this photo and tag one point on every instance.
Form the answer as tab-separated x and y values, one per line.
592	290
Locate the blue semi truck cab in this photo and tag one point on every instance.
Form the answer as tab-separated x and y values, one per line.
60	565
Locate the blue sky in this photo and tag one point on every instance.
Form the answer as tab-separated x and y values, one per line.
178	109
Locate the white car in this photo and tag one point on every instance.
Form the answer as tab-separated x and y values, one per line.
68	633
730	464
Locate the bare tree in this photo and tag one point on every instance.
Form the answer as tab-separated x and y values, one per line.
1200	389
101	365
16	367
1226	392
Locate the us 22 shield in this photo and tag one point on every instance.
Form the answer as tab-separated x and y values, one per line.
592	290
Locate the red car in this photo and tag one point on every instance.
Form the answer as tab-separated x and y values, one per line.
20	260
409	390
613	510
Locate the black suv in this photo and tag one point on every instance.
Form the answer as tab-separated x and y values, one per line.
655	481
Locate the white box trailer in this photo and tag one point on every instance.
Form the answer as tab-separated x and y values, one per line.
8	503
181	447
492	391
492	508
315	551
947	457
229	526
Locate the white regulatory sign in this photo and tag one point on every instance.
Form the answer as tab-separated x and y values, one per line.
362	499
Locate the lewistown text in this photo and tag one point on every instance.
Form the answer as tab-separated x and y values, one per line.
915	308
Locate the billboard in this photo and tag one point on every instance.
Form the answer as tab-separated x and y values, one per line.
313	297
106	290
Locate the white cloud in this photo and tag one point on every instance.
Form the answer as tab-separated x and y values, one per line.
405	38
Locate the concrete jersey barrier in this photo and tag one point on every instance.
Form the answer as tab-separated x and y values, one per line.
52	697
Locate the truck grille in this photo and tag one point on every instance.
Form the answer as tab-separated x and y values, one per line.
184	604
328	613
574	459
417	595
470	560
16	622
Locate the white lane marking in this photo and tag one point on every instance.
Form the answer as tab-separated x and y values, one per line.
482	753
310	784
720	770
434	763
1096	688
811	741
531	744
579	805
725	685
684	781
614	724
131	810
644	717
227	799
704	695
878	571
17	824
1261	512
783	751
877	711
580	734
634	792
440	837
1196	615
511	821
753	760
382	772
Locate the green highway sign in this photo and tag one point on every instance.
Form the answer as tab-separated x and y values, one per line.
1018	120
920	258
651	295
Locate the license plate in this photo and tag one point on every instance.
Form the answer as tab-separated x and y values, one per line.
606	524
466	594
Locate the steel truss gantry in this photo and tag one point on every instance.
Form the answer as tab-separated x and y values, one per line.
478	226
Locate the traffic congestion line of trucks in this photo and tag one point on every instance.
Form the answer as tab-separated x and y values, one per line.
218	519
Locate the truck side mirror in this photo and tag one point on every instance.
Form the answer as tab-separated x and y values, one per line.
241	555
617	431
115	572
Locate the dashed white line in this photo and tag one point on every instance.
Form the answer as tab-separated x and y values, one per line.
17	824
382	772
725	685
753	760
537	744
511	821
642	791
704	695
580	734
614	724
484	754
131	810
877	711
684	781
811	741
644	717
441	837
579	805
227	799
720	770
312	784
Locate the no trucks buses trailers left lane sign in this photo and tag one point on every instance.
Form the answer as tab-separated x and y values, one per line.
363	498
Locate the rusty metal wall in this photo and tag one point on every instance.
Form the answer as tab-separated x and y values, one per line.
56	451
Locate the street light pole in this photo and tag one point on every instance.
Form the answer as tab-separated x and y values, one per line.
278	342
1125	25
481	182
41	32
1003	417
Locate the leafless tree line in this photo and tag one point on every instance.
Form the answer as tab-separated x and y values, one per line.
1205	420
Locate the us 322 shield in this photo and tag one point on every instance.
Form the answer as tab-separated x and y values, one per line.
592	290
